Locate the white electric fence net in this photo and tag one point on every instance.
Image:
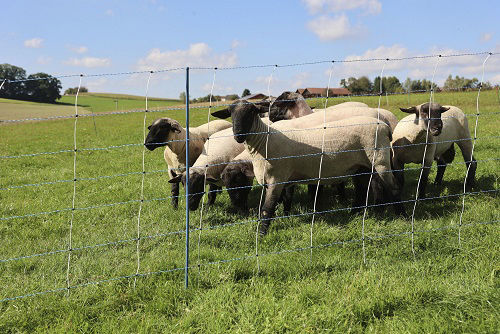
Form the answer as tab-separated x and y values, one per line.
93	233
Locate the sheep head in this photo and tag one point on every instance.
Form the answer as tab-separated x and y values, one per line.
238	179
159	132
196	189
242	114
282	106
430	113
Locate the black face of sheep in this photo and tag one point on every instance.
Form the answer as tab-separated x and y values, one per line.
280	107
238	180
159	131
196	191
431	114
242	114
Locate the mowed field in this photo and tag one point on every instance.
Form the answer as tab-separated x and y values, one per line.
445	287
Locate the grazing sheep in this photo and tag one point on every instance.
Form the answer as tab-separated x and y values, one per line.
168	132
238	177
211	162
448	124
353	138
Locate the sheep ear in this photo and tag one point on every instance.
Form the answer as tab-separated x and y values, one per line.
176	179
175	127
262	106
224	113
248	172
411	110
211	179
444	109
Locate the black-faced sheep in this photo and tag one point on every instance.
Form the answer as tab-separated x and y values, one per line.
219	150
447	125
168	132
349	145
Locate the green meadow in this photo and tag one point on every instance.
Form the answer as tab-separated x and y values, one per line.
442	287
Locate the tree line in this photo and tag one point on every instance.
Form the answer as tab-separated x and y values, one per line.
363	85
38	87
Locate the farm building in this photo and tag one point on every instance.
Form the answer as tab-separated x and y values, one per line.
321	92
257	96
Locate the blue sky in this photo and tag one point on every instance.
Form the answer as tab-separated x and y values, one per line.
109	36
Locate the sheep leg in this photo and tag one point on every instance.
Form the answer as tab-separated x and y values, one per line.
287	199
273	192
341	190
212	193
392	188
360	189
423	181
174	191
446	158
470	163
311	191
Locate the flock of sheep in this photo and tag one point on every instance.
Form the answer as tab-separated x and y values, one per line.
284	142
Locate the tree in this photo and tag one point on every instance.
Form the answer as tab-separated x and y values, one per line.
43	88
460	83
343	83
231	97
246	92
389	85
182	97
12	90
363	85
73	91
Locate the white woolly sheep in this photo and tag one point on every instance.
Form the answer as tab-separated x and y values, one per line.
353	138
290	105
447	125
168	132
218	151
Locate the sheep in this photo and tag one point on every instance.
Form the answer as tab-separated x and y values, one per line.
353	137
168	132
218	151
238	175
290	105
447	125
280	110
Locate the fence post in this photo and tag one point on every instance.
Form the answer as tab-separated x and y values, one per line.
186	269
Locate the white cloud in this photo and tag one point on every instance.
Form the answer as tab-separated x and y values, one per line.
300	79
78	49
236	44
96	85
486	37
418	68
43	60
89	62
110	12
370	6
33	43
197	55
329	29
218	89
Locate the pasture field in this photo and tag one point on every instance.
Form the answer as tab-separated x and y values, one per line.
444	288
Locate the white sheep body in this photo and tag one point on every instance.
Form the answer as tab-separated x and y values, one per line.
218	151
356	135
332	114
410	131
175	151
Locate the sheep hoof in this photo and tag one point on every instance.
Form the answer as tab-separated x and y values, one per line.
263	228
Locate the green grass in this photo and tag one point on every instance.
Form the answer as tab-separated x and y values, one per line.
102	102
445	288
